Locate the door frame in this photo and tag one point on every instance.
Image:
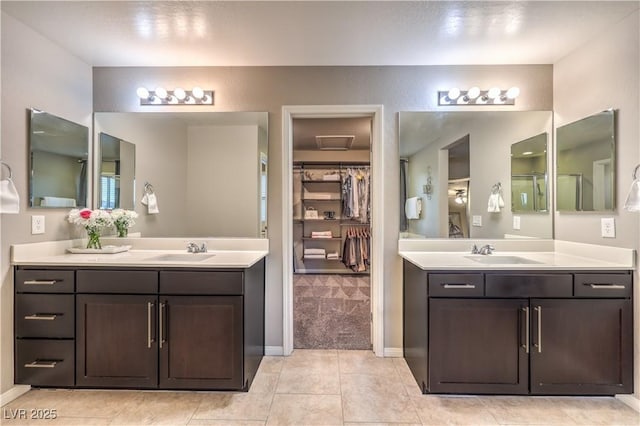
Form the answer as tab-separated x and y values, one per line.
289	112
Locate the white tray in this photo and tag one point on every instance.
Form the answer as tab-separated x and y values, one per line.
103	250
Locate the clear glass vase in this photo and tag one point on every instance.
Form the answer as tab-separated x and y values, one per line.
94	238
123	230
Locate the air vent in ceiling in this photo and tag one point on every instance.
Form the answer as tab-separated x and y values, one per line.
334	142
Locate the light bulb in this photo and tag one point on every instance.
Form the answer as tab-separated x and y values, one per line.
197	92
473	93
513	92
142	93
161	92
180	94
453	93
493	93
458	200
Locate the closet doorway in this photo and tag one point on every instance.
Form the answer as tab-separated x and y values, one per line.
332	291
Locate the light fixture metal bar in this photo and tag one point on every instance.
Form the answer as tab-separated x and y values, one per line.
171	99
482	99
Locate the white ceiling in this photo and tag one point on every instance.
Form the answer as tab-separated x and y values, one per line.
268	33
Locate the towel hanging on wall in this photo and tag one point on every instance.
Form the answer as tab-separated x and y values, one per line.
495	202
413	207
149	199
9	198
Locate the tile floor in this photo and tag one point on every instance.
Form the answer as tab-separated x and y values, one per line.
318	387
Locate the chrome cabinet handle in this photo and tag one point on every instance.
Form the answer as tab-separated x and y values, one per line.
526	329
41	364
459	286
605	286
40	282
149	324
538	309
42	317
160	328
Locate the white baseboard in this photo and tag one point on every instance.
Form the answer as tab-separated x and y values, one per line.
630	400
13	393
274	350
393	353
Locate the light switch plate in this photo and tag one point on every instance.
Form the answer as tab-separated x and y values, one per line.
516	222
477	220
37	224
608	227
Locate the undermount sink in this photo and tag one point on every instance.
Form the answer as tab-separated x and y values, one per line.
501	260
182	257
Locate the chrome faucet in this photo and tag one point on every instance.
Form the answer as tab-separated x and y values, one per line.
193	248
487	249
484	250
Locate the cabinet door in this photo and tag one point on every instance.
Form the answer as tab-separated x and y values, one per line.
478	346
201	342
581	346
116	345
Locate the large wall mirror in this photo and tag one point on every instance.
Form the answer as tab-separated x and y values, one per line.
208	170
586	164
117	163
58	154
454	161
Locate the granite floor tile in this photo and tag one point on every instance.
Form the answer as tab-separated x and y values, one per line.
598	411
234	406
530	410
271	364
376	398
318	382
365	362
306	410
159	408
452	410
406	377
264	383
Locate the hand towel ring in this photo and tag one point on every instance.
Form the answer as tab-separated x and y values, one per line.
8	168
148	188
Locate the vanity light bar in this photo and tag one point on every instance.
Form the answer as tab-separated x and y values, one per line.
475	96
178	96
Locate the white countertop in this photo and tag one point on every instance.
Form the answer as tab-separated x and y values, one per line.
547	255
145	253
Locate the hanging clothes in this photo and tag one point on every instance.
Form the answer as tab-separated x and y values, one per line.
355	194
357	245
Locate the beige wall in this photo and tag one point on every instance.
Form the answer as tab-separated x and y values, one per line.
35	73
269	88
602	74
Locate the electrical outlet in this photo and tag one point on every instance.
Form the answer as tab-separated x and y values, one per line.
477	221
516	222
608	227
37	225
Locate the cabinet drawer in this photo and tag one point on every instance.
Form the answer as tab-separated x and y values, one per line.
45	315
44	281
206	282
119	282
529	285
45	362
456	285
602	285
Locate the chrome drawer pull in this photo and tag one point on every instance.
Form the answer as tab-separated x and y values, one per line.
161	311
526	330
607	286
538	309
40	282
43	317
459	286
149	304
41	364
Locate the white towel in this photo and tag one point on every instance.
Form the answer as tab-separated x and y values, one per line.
314	256
57	202
9	198
413	207
495	203
308	251
150	200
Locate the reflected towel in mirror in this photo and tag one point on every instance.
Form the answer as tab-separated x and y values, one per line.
150	200
57	202
413	207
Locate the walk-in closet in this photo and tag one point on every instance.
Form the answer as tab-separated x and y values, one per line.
332	233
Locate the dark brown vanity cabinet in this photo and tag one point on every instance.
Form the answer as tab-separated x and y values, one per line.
44	327
161	329
519	333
